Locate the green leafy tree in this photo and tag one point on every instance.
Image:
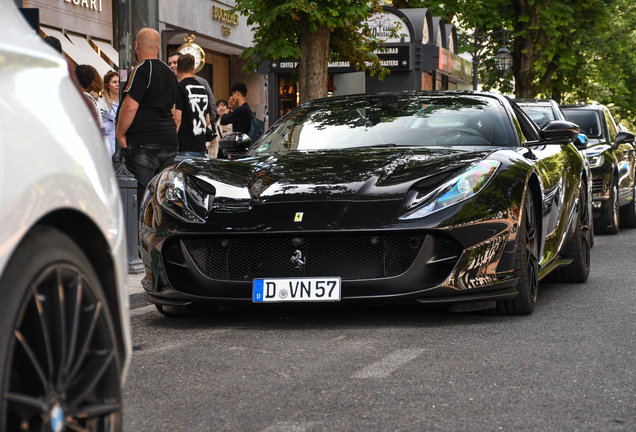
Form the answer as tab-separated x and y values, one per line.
313	32
543	33
605	66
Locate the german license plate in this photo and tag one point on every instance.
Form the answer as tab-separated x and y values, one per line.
325	289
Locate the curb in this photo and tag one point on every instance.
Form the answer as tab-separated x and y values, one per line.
137	300
135	291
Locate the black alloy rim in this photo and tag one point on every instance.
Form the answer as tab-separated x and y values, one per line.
585	226
615	206
532	248
62	372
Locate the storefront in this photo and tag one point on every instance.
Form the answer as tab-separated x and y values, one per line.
223	36
84	27
422	57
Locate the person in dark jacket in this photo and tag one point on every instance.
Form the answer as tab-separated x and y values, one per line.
241	115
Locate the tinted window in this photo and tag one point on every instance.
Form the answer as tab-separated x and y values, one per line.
611	127
588	121
539	114
390	120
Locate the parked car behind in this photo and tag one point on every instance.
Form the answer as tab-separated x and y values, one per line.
613	162
542	111
64	327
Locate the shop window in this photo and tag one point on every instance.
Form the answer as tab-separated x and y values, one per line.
287	95
427	81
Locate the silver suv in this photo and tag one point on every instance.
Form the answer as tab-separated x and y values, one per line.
64	326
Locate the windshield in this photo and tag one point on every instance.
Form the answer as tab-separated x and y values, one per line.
587	120
539	114
390	121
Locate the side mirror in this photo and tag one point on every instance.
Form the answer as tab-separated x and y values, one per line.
235	143
559	132
624	137
581	142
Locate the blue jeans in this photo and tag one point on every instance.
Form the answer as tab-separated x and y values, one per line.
146	161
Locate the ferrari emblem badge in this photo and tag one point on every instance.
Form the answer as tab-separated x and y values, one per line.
298	217
479	124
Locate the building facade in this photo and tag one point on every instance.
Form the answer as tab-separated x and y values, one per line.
223	36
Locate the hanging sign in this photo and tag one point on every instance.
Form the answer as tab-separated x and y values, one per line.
381	24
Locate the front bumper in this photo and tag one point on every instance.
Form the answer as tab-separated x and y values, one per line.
430	266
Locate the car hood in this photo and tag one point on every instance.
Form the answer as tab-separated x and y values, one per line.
358	175
596	146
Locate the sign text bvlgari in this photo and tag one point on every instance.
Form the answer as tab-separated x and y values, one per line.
88	4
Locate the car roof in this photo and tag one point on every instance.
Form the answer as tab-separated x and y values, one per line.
533	101
595	107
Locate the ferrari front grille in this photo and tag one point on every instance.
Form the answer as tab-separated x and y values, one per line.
350	256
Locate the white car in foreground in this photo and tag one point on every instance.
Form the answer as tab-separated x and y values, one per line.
64	325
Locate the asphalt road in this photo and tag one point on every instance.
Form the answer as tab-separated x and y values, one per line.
570	366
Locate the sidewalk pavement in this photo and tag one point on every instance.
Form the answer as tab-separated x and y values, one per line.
135	291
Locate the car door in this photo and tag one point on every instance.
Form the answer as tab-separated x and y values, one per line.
625	158
554	164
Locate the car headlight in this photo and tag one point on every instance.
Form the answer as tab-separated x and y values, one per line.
595	160
458	189
172	195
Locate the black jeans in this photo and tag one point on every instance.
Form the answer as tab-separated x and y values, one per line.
146	161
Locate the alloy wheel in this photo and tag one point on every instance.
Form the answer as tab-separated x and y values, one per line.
532	249
616	207
584	217
62	372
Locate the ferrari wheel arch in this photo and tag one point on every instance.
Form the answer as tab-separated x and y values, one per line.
535	188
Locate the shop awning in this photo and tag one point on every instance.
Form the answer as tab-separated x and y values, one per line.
108	51
79	54
95	60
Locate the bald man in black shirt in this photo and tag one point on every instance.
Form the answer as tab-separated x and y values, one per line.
146	126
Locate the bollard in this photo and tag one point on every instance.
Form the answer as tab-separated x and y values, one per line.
128	189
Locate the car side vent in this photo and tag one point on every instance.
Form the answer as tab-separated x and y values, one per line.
173	254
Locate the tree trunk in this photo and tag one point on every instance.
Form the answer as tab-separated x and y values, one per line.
312	75
556	95
526	49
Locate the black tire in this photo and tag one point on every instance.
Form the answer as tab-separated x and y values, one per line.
526	264
628	212
61	362
577	248
608	221
188	311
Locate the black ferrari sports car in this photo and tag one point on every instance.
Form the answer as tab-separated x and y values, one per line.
432	197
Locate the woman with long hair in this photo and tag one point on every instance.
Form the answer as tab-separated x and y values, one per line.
214	151
109	104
